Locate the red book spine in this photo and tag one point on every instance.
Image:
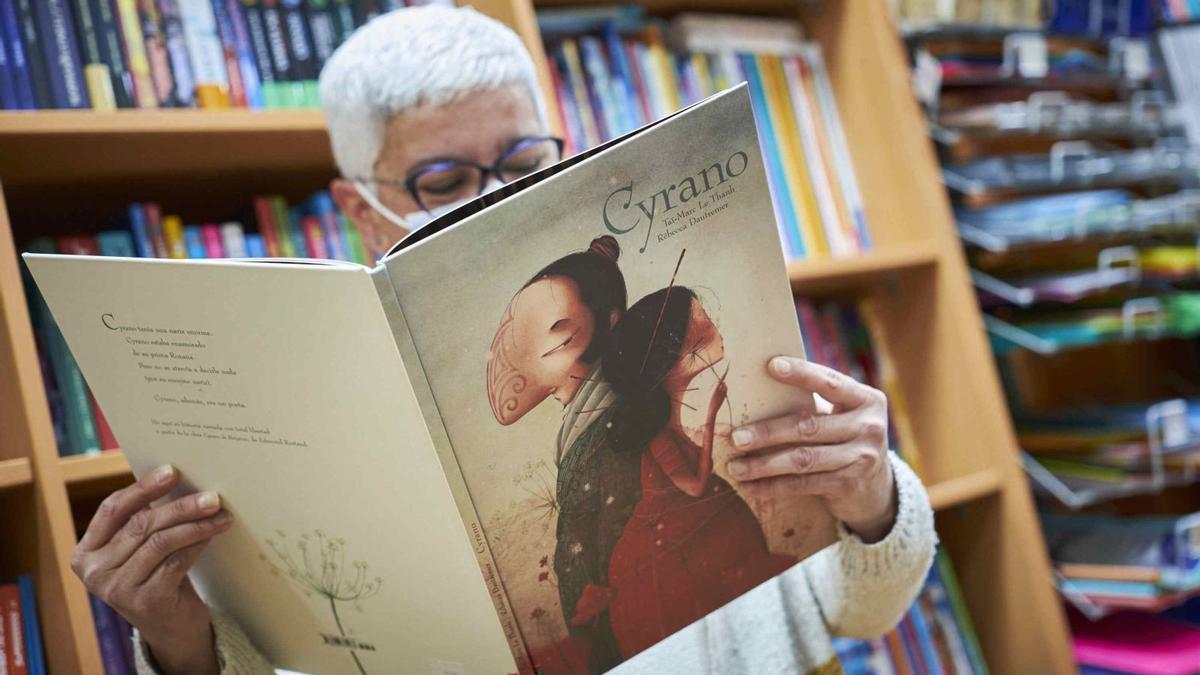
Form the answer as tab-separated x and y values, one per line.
78	245
155	230
314	238
13	630
266	226
108	440
213	248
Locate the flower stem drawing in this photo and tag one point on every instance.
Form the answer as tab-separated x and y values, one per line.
318	567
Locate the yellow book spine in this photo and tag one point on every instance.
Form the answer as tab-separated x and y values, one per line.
99	86
135	53
173	233
591	133
795	168
703	75
663	68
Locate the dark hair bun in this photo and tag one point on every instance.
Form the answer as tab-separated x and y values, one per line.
606	246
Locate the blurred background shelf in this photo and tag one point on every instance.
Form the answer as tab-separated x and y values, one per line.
15	473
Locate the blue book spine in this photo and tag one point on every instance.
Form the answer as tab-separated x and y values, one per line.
247	62
295	218
254	246
623	73
184	91
321	205
10	29
924	640
108	633
8	89
117	243
780	195
108	33
33	633
141	236
193	239
60	47
34	56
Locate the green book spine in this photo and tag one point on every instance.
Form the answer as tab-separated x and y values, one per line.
80	425
279	209
950	581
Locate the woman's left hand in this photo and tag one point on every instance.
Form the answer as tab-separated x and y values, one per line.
840	456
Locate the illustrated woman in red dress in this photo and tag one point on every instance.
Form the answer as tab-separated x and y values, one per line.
692	544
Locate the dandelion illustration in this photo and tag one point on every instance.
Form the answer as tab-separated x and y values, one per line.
318	567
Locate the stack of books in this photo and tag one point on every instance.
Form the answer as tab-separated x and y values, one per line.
107	54
20	632
311	229
935	636
614	70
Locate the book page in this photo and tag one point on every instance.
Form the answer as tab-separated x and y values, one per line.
588	344
279	386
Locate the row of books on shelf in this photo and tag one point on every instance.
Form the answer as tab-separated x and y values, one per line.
21	651
935	636
107	54
1180	11
311	229
614	70
115	636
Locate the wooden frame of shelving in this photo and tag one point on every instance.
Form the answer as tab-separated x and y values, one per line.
60	170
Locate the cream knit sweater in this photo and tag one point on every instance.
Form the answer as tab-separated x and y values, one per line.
784	626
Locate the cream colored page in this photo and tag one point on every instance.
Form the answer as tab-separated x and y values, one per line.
280	387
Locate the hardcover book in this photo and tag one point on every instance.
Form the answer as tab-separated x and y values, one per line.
503	448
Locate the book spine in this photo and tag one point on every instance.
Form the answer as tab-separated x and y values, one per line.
638	75
158	46
281	61
212	241
354	242
233	240
155	228
264	213
34	56
109	637
314	238
141	237
108	34
13	629
283	229
780	195
204	49
248	63
343	20
6	651
126	633
300	46
193	241
8	89
18	58
256	28
61	54
254	246
321	27
600	86
58	414
99	88
135	54
579	91
106	439
623	72
33	633
565	107
321	205
173	234
229	50
295	223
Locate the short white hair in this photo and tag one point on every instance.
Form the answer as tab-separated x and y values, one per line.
409	58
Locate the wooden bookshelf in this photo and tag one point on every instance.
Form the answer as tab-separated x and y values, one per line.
65	171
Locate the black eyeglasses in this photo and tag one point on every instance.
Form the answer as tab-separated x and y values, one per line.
455	180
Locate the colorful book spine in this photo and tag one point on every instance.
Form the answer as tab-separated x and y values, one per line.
34	54
283	228
8	89
61	52
283	92
12	628
108	634
254	246
303	55
79	424
321	205
358	250
108	29
173	234
256	31
314	238
343	20
213	248
227	38
204	48
97	79
155	229
158	55
321	28
248	62
33	632
600	88
264	214
294	218
780	194
17	57
137	226
579	91
135	54
193	241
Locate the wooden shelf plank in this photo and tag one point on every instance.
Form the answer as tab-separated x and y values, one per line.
15	472
86	468
836	275
149	122
955	491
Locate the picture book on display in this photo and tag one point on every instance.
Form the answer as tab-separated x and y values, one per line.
514	429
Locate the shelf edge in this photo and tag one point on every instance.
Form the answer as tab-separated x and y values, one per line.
15	472
85	468
957	491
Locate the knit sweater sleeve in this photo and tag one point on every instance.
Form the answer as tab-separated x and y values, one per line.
235	653
864	589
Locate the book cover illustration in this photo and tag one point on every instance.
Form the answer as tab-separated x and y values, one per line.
589	387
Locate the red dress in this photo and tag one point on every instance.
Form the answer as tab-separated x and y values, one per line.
681	557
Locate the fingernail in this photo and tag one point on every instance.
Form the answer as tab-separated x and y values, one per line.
736	468
163	473
207	500
743	437
223	518
781	365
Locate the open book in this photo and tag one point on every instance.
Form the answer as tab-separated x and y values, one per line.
503	448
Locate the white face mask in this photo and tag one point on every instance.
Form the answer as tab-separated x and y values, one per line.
417	219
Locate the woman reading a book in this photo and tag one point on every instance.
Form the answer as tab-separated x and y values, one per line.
430	106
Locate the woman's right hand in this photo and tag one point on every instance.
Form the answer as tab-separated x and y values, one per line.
135	557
